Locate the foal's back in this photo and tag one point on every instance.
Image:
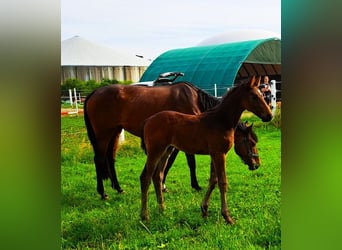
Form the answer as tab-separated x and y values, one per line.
188	133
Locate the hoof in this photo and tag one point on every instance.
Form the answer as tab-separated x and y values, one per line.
165	190
196	187
104	197
204	210
229	220
145	218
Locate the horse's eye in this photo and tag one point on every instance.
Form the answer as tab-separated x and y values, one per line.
255	97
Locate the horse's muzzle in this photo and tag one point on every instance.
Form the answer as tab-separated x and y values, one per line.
253	166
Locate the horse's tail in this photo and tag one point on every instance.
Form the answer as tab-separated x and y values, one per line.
90	130
104	172
143	145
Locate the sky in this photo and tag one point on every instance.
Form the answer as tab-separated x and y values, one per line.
151	27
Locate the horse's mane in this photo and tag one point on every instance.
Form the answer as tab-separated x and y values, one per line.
206	100
242	127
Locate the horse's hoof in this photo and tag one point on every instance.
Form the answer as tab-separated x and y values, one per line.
165	190
198	188
121	191
204	210
104	197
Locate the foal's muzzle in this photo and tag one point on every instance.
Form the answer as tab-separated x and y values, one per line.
267	118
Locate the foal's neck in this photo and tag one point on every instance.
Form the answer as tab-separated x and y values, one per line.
229	111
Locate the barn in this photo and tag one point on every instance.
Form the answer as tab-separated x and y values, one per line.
217	67
85	60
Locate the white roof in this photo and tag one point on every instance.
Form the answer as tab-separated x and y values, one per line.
77	51
238	36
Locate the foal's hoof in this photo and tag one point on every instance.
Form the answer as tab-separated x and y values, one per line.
229	220
145	218
165	190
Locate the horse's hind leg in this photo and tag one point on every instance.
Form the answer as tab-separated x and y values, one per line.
192	166
170	162
111	154
100	162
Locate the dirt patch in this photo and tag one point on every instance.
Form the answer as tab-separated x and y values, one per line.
71	111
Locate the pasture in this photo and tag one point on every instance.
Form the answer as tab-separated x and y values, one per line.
87	222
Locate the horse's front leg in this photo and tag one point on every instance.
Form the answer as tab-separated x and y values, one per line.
192	165
170	162
212	183
220	170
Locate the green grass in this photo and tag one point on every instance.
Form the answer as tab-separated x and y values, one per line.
87	222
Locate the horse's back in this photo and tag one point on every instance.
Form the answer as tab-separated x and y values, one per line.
127	106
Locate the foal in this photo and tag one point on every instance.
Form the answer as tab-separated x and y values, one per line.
210	133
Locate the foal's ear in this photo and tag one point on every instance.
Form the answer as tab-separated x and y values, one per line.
255	82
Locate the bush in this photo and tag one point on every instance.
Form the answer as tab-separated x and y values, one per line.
86	87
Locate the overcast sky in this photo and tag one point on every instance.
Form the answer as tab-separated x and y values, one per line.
151	27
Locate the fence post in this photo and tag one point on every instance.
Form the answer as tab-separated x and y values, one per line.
76	105
273	95
215	90
70	97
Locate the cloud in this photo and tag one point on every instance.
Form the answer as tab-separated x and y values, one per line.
155	25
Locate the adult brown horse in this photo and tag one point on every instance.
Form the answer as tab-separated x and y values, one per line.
108	110
210	133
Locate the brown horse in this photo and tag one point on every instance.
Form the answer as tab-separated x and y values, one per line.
108	110
245	141
210	133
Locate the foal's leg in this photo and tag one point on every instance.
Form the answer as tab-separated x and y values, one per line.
170	161
219	161
192	165
212	183
145	182
158	176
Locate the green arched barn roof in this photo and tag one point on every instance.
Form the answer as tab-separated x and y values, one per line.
221	64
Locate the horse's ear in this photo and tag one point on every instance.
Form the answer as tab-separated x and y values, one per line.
252	82
259	81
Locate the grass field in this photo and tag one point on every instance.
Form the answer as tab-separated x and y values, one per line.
87	222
